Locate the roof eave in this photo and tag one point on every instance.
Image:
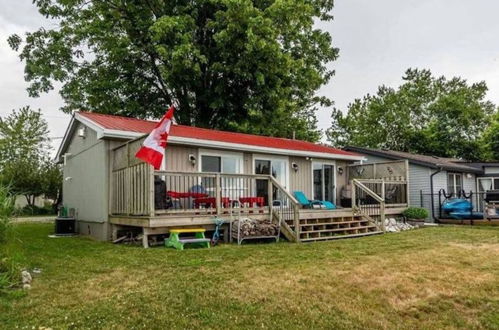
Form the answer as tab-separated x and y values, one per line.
120	134
64	141
413	161
234	146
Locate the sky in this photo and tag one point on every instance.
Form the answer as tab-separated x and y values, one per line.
378	41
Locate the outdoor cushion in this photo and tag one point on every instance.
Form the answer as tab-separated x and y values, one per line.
305	202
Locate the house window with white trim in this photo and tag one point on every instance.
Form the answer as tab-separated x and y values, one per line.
454	183
224	163
221	164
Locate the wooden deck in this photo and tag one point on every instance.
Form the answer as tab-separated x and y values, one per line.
314	224
158	201
192	219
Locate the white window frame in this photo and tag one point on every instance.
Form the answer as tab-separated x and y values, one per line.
454	175
271	158
492	178
221	154
325	162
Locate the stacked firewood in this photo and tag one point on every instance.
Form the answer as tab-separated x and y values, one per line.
253	227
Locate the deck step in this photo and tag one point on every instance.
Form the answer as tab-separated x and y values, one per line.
336	229
332	223
325	238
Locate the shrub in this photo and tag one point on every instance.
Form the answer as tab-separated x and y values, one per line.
416	213
9	272
7	202
29	210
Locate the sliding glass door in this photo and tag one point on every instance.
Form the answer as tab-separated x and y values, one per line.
323	182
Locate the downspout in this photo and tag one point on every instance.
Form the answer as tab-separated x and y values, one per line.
440	169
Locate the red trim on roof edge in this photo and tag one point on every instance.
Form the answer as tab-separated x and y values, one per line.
120	123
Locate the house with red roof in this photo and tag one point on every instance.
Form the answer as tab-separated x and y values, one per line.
206	173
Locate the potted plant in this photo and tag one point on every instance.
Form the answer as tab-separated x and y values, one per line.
415	215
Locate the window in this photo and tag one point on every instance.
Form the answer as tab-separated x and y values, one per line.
221	164
454	183
496	183
262	166
225	163
211	164
486	184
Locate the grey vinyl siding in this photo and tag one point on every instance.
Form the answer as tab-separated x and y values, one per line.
341	179
78	144
469	183
247	165
419	181
177	158
85	184
301	180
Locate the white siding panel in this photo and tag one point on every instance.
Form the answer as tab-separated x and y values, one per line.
419	181
469	182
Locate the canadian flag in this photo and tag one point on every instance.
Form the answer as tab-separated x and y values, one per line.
153	148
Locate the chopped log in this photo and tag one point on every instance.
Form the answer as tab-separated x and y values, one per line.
252	227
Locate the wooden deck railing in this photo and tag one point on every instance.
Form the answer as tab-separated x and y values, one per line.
213	193
394	192
139	190
132	190
368	203
286	211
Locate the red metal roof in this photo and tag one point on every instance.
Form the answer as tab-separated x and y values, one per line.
146	126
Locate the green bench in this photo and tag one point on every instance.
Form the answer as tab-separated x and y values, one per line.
178	243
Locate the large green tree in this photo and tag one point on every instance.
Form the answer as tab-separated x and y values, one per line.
426	114
490	140
245	65
25	164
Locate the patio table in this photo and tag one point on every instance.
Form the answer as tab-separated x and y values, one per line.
210	201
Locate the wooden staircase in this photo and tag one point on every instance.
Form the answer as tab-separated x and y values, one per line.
329	227
302	225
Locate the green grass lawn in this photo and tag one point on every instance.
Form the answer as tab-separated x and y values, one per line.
445	277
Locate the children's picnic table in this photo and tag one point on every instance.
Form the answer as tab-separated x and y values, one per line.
178	243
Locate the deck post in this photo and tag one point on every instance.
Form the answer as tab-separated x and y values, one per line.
296	215
270	192
218	194
353	195
145	237
150	204
407	192
382	206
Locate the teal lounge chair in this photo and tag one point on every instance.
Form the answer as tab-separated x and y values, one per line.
309	204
